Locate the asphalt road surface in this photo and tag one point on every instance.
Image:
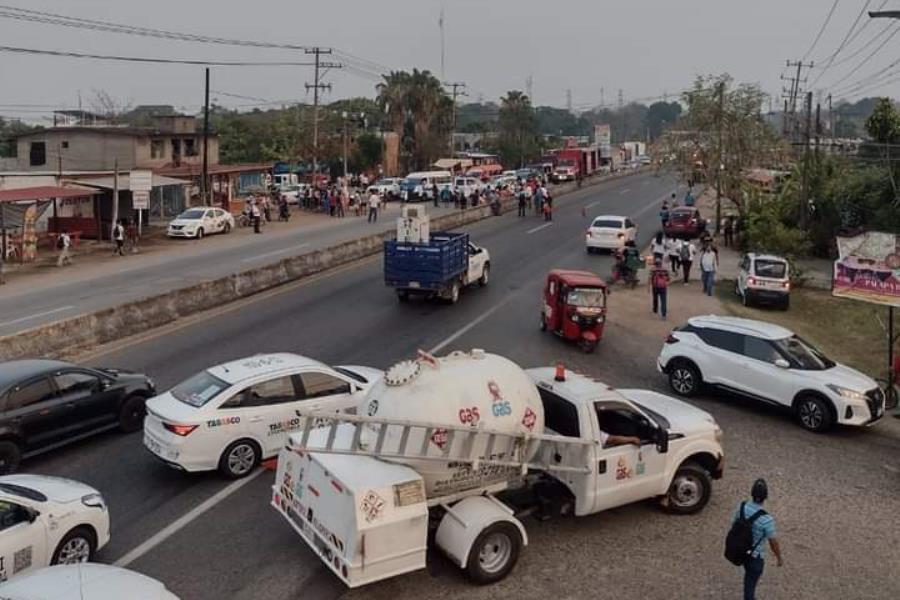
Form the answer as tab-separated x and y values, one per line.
834	496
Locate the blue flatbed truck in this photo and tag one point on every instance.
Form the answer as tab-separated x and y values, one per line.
440	267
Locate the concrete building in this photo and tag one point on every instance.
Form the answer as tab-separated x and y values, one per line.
173	142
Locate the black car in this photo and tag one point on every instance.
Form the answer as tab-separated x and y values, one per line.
45	402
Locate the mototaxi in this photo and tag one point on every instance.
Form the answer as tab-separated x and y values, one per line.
574	306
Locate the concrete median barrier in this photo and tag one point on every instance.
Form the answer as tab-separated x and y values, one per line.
77	334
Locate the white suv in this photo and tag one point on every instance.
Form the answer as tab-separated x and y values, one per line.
768	362
764	278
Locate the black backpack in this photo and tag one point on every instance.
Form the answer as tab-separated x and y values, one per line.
739	541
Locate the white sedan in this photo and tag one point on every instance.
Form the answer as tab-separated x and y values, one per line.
609	232
232	416
383	187
200	221
48	521
89	581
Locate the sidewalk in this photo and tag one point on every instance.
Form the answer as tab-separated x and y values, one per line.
815	273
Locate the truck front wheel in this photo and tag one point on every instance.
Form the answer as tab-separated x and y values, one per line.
485	275
494	553
689	491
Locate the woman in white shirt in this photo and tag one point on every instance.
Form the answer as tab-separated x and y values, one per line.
658	247
673	251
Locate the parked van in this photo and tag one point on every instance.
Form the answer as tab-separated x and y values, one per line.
420	185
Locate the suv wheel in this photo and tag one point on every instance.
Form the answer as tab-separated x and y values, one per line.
10	455
684	378
814	413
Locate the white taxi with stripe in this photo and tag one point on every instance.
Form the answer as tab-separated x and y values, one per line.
232	416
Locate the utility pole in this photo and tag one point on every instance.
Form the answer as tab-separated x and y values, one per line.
804	191
793	93
529	88
719	165
115	204
456	85
204	182
321	68
344	116
818	129
830	121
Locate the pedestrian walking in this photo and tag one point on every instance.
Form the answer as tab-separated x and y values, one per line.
118	234
687	253
435	195
658	247
664	214
63	244
255	216
132	233
539	199
709	263
659	284
674	201
548	210
523	203
689	198
745	546
374	201
673	251
446	196
728	231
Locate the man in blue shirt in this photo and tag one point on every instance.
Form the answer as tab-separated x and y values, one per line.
763	529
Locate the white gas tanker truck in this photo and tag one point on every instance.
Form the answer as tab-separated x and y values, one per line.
468	444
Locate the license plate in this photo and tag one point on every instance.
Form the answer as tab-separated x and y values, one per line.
154	446
415	284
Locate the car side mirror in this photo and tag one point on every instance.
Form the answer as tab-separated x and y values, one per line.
782	364
662	440
31	514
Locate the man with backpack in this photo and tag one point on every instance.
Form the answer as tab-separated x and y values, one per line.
751	526
118	234
659	283
523	202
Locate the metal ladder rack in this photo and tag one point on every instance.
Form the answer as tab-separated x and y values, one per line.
473	445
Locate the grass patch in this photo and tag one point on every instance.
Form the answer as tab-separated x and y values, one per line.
847	331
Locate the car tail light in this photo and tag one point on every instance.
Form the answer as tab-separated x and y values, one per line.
751	281
786	285
181	430
671	339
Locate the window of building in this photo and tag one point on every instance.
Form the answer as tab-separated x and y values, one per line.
157	149
65	145
38	154
190	147
176	147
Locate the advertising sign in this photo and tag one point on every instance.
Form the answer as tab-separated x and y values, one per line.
603	138
140	180
140	200
868	268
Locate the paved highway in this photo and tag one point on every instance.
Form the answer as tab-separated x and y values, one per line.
207	538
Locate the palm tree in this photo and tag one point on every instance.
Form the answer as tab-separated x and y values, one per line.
518	127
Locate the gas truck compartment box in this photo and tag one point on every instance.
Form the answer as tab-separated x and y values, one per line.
426	265
367	519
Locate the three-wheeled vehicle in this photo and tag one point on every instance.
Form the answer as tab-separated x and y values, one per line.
574	306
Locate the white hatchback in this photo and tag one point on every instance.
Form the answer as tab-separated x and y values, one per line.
48	521
234	415
609	232
200	221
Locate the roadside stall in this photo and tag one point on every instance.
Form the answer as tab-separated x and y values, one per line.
33	217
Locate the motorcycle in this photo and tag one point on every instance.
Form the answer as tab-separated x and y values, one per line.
622	272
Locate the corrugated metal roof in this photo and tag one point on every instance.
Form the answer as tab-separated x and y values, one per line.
108	183
44	192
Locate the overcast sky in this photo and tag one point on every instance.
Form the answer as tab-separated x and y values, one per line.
594	47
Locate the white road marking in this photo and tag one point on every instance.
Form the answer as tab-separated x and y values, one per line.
273	253
625	191
593	204
35	316
185	520
544	226
460	332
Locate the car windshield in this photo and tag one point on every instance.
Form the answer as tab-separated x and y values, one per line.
609	224
587	298
770	268
199	389
22	491
384	182
803	354
194	213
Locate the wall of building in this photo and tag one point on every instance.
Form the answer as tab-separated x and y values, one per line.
79	151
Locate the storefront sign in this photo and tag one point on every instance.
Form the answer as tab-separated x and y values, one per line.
140	200
140	180
868	268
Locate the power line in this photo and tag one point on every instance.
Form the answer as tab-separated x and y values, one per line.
821	30
217	63
843	43
862	48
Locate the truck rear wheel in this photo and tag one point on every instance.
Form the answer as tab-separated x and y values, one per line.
485	275
454	293
494	553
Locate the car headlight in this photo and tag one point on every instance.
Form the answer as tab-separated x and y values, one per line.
719	434
846	392
94	501
151	384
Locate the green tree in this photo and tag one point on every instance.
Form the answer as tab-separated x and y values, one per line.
419	111
661	115
517	141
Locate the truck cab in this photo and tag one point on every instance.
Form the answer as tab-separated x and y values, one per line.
679	454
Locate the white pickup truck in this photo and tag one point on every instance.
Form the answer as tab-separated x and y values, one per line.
369	519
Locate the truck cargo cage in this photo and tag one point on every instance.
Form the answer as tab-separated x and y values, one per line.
473	445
